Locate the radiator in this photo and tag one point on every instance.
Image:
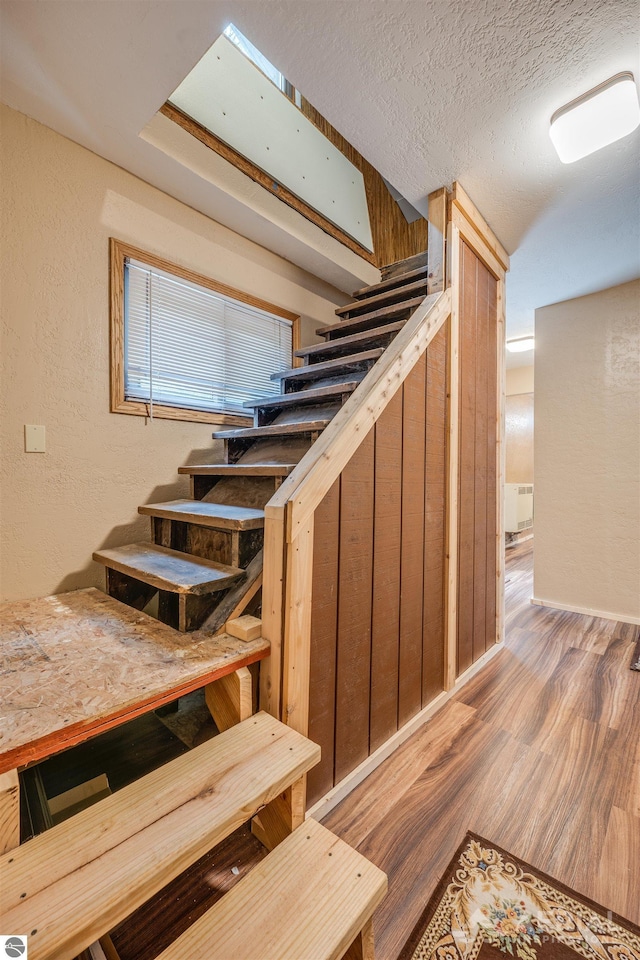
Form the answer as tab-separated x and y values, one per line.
518	507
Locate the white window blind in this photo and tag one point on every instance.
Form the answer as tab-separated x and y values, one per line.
188	346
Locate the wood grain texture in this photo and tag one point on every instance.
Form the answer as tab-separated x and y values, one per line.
538	752
385	611
324	640
230	698
309	898
71	884
66	696
412	548
354	610
477	500
9	810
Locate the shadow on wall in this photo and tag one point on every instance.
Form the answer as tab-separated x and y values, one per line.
92	574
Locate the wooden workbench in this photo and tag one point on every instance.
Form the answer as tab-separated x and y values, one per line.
77	664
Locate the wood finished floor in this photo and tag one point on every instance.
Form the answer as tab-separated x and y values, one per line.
539	753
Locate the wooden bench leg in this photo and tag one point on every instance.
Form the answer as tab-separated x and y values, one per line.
230	699
9	811
362	946
279	818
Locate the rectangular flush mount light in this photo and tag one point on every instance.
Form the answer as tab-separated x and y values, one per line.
599	117
519	346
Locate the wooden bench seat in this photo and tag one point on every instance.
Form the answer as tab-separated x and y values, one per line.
312	898
72	884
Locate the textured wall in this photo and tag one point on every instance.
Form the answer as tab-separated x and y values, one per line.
60	205
587	453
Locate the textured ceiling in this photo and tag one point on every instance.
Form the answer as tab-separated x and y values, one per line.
428	92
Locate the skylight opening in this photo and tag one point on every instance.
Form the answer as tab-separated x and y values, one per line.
252	53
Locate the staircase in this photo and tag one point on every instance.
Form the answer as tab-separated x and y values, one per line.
204	563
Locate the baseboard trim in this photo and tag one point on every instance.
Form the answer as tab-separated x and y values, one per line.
325	805
586	611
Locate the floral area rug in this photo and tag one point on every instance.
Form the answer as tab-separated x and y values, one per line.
489	904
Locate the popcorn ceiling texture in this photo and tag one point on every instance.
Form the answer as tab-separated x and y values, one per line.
587	453
60	205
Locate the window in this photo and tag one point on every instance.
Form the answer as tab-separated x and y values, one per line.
252	53
186	347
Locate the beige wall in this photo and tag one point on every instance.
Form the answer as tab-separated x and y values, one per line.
519	425
60	205
519	380
587	453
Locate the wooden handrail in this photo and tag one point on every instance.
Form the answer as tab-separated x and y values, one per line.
305	488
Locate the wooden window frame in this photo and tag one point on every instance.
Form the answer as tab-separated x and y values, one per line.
118	252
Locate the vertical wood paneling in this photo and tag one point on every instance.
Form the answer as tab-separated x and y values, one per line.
477	472
469	265
354	610
435	518
412	555
493	408
480	466
324	638
385	619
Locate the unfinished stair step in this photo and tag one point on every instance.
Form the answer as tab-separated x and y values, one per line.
406	292
330	367
302	397
169	570
400	267
390	282
366	321
272	430
365	338
220	516
73	883
311	897
238	469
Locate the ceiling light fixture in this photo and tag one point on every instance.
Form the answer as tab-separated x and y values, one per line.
599	117
520	345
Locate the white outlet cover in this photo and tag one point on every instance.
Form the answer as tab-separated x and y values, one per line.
34	438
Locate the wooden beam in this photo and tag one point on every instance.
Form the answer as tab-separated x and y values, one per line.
303	490
9	811
272	604
297	630
230	698
282	816
500	461
244	628
476	242
437	231
466	206
453	452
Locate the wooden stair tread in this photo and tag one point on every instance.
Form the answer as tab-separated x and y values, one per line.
310	897
167	569
272	430
328	367
391	282
220	516
238	469
367	320
399	267
329	392
380	299
73	883
354	339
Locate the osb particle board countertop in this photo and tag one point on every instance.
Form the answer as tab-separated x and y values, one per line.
76	664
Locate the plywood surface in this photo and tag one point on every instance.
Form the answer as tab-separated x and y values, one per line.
76	664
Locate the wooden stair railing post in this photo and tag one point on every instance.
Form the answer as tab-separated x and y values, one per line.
9	811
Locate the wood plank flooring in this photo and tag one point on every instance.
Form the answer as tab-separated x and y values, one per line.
539	753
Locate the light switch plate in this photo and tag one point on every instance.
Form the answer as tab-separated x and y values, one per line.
34	438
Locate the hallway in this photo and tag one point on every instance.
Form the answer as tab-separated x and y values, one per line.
539	753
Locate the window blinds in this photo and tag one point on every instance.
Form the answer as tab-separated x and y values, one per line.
188	346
